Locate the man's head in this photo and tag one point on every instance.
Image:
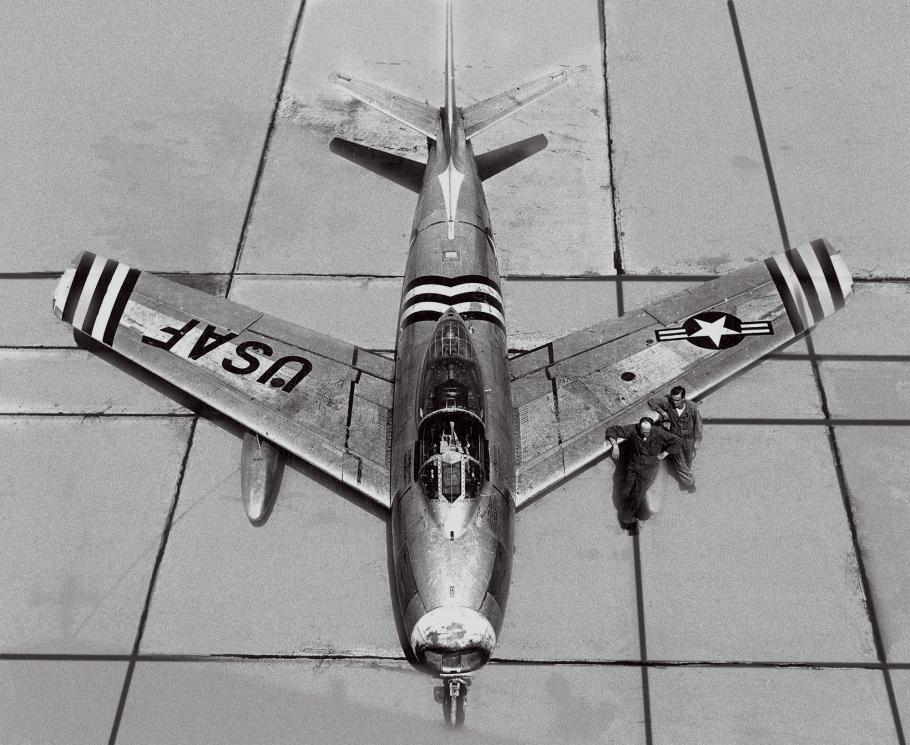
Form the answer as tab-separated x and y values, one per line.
678	395
644	426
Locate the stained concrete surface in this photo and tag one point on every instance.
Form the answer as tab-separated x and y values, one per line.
884	393
55	702
312	580
573	584
80	538
770	706
709	558
833	96
875	470
134	130
873	323
759	564
32	385
901	680
691	189
349	701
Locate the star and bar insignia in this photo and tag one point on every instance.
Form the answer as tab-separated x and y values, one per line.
712	329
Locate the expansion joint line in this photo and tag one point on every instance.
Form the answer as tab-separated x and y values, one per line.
826	413
240	243
642	639
165	534
266	144
854	536
614	200
620	311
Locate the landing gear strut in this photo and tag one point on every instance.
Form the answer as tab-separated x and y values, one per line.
452	694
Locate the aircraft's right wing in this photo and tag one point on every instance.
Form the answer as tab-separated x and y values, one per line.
565	393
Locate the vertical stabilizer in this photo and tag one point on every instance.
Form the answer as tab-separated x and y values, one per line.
450	76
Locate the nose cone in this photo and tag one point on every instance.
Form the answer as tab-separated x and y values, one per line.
453	639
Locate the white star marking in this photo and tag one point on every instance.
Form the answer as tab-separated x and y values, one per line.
450	181
713	330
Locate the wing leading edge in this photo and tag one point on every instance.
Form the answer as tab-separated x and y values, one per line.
565	393
321	399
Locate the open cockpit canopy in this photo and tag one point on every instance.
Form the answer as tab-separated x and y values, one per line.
451	447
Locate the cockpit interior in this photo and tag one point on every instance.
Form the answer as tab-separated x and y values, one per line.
451	450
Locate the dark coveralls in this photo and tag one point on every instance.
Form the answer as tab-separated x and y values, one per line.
688	427
641	463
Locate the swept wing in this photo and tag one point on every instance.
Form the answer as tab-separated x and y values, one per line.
321	399
565	393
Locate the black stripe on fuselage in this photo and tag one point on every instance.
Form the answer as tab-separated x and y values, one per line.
805	281
433	279
126	289
824	261
72	299
461	297
94	306
434	315
783	290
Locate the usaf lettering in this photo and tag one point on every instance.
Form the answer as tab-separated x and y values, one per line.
210	338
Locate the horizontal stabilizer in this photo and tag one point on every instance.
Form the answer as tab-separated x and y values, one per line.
402	171
496	161
414	114
482	115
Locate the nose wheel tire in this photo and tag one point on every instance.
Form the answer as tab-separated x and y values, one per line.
453	709
452	694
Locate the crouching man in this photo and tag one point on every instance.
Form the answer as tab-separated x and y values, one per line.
646	445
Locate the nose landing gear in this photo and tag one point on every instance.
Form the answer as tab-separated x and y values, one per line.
452	694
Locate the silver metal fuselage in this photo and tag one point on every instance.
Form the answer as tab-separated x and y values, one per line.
452	457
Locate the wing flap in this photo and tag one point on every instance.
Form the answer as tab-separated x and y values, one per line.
321	399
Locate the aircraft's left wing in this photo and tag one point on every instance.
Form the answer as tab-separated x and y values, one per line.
321	399
565	393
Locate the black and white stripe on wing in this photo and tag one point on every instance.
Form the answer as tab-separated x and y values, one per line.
811	282
94	295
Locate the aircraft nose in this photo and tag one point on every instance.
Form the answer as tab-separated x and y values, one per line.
453	639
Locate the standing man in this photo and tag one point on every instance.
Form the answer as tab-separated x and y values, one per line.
681	417
646	446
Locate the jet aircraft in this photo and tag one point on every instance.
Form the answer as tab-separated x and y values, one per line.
453	436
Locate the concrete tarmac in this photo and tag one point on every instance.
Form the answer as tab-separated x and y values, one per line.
137	604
